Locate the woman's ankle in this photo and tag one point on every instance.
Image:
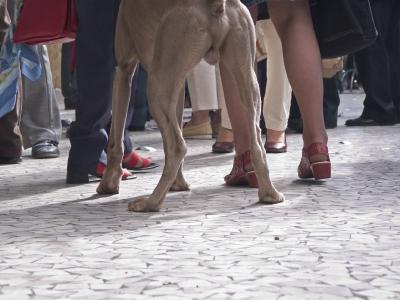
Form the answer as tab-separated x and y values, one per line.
275	136
199	117
317	138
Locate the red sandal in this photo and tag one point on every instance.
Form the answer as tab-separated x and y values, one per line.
315	162
242	172
133	161
101	168
79	177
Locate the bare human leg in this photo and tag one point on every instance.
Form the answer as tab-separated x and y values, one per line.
292	21
302	57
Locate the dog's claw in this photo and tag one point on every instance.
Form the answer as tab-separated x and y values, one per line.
143	205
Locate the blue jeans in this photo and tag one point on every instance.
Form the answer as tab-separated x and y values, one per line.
95	69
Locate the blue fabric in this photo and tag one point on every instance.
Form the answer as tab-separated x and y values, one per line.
95	69
15	59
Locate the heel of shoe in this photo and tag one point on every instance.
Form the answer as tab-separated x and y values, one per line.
321	170
251	179
77	178
199	137
239	175
235	180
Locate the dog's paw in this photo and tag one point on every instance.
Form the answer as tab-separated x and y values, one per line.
107	189
273	198
179	186
143	205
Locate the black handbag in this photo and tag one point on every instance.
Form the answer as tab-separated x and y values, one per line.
343	26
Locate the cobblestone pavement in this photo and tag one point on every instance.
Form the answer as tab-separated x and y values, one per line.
337	239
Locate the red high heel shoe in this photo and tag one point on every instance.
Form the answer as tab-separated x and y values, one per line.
315	162
242	172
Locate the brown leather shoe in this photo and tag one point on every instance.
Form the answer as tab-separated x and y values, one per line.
201	131
275	141
224	142
223	147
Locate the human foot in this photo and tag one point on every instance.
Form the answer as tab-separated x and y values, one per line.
224	142
276	141
242	172
315	162
133	161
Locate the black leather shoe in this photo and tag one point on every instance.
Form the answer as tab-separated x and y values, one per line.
360	121
45	149
223	147
10	160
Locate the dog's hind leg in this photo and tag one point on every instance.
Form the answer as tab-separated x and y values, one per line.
238	58
126	64
180	44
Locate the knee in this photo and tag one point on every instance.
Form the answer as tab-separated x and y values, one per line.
181	150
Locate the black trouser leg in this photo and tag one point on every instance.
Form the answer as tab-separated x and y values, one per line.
374	66
331	102
95	68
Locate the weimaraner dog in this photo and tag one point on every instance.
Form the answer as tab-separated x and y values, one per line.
169	37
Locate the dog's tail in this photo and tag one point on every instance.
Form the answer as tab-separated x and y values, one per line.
217	7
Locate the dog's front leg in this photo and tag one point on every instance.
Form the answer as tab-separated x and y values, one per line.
121	95
180	183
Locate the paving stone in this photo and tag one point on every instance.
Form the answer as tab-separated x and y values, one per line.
330	240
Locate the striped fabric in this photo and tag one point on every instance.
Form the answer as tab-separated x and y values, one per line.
13	59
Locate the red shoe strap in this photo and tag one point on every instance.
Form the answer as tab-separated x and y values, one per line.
317	149
243	159
134	160
239	164
101	168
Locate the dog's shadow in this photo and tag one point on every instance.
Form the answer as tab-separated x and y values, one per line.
101	214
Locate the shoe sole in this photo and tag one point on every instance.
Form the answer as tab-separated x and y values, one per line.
83	178
45	156
249	179
275	151
10	161
221	151
137	170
